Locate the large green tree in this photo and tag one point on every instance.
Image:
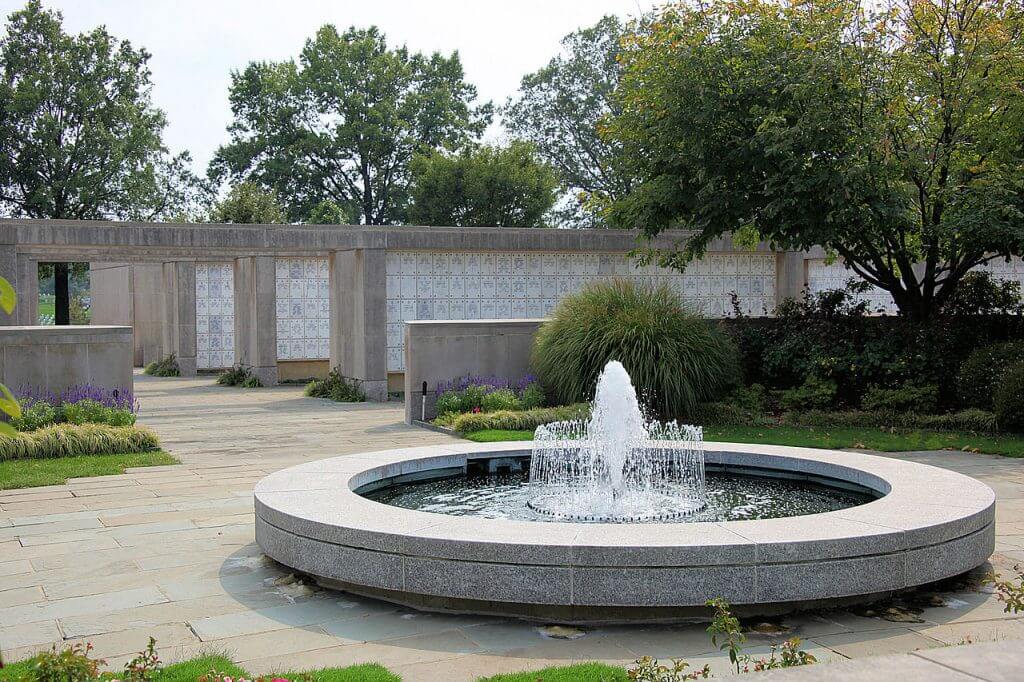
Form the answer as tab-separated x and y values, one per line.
484	186
893	138
247	202
560	109
343	122
79	135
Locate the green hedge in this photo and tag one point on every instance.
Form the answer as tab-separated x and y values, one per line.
972	420
523	420
69	440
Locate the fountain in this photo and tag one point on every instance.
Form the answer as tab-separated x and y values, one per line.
616	520
618	467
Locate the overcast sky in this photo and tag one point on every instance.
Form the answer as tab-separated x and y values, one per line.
196	43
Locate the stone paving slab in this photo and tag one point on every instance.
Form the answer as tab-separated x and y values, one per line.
169	551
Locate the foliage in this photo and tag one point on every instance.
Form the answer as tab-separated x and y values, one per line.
486	186
753	398
560	109
470	393
343	122
520	420
980	373
69	440
239	375
790	656
247	202
675	358
328	212
919	399
144	667
648	669
31	473
814	394
164	367
71	664
725	627
9	405
80	404
78	130
1008	399
886	133
337	387
728	413
981	294
1010	592
965	421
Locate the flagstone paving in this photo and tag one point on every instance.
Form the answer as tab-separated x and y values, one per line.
169	551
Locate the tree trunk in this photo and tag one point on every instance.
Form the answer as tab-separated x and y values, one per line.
61	294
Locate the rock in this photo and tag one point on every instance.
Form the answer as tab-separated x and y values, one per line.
561	632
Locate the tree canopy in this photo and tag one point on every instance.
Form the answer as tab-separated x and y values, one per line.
343	122
891	138
560	109
247	202
79	135
484	186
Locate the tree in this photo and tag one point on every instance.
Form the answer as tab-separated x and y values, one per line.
483	187
79	135
560	109
248	203
890	138
343	123
329	213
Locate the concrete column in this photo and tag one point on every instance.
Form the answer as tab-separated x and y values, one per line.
28	291
256	316
790	275
9	271
358	279
179	327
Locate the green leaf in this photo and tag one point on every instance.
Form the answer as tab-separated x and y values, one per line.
7	430
7	296
9	405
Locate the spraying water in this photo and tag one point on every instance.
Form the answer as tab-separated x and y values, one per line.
618	466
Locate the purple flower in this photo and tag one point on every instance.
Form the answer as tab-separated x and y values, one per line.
490	383
119	398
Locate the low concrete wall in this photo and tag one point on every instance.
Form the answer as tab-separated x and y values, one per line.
437	351
54	358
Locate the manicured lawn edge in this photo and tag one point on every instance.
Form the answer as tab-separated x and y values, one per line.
31	473
883	440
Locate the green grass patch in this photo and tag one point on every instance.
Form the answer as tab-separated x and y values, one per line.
882	440
581	672
29	473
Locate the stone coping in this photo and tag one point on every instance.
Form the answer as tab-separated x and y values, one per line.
929	524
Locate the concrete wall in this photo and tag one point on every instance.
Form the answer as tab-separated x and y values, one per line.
437	351
55	358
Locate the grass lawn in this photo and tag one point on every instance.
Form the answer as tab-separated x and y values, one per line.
28	473
865	438
581	672
190	671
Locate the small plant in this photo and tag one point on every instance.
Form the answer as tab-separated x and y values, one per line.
165	367
502	399
239	375
725	628
919	399
814	394
252	381
648	669
337	387
145	667
790	656
471	394
1010	592
69	665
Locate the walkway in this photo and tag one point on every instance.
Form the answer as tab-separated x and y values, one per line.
169	552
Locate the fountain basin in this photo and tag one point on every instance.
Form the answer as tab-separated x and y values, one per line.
926	525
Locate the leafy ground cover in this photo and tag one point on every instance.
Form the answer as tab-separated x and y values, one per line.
832	438
28	473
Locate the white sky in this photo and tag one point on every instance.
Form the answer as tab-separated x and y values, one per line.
196	43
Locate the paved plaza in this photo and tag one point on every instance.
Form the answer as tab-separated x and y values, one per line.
169	552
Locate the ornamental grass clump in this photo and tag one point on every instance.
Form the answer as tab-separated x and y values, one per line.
164	367
675	358
71	440
337	387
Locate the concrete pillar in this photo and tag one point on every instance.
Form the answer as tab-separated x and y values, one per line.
9	271
790	275
256	316
358	280
28	291
179	328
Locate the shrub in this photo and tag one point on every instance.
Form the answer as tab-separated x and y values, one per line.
69	440
77	405
972	420
1008	401
69	665
36	415
93	412
532	397
239	375
165	367
337	387
449	403
920	399
814	394
753	398
980	373
502	399
675	358
518	421
728	414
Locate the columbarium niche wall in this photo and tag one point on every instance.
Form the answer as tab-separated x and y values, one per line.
503	285
303	316
215	315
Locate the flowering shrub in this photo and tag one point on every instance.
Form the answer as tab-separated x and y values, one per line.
83	404
488	394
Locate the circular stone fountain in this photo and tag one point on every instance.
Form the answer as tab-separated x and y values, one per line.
622	520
